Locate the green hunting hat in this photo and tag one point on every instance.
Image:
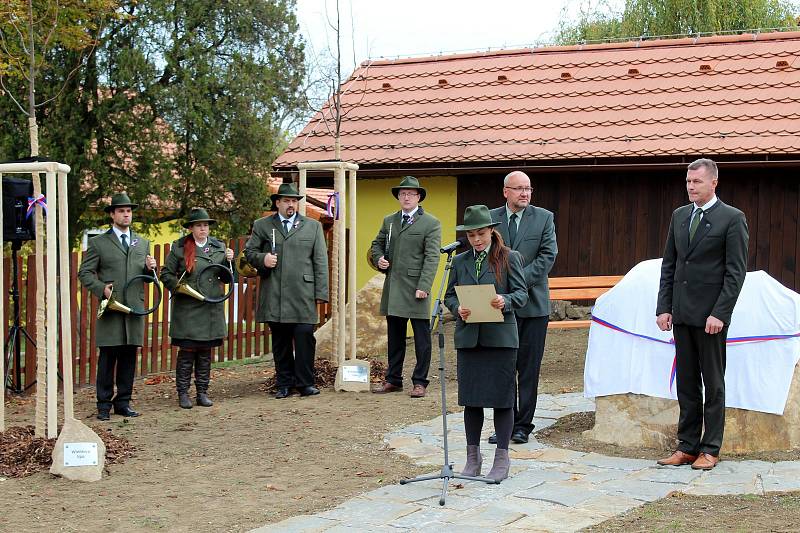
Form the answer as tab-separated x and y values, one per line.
120	200
286	190
409	182
198	214
476	217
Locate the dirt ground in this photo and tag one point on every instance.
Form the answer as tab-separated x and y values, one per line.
252	460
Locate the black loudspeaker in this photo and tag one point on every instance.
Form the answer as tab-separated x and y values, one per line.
16	227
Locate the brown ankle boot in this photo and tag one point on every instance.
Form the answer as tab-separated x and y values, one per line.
474	459
500	466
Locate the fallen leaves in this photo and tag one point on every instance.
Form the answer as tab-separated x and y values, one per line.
159	378
22	454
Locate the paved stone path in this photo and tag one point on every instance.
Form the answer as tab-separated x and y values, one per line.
549	489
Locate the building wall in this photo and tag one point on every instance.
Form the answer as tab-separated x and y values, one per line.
375	201
607	222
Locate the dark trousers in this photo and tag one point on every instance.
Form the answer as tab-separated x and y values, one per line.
116	364
700	363
396	329
293	348
532	333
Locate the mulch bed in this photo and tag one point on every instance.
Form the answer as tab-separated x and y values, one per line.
22	454
325	374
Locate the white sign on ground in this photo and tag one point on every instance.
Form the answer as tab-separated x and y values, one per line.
80	454
356	373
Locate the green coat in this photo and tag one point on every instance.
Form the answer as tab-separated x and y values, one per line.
512	288
105	262
289	291
414	257
190	318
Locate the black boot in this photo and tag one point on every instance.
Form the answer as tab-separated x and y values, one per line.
202	376
183	377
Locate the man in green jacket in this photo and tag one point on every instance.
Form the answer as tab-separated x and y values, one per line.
290	254
406	249
110	262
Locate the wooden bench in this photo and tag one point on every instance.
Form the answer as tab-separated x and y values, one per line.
579	288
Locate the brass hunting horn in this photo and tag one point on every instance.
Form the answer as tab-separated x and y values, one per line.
111	304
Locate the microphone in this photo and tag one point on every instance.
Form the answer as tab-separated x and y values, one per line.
453	245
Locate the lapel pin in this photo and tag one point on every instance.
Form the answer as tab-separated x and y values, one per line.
134	242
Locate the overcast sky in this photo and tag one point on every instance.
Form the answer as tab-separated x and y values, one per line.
392	28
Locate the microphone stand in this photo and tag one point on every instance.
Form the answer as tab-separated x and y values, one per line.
437	318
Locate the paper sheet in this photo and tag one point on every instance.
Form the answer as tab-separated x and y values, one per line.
478	299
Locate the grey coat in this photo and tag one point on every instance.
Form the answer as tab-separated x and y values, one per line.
190	318
512	288
414	257
289	291
105	261
536	241
703	278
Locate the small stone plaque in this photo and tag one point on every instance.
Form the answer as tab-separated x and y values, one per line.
356	373
80	454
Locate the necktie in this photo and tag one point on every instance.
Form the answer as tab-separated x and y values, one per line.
286	225
512	229
478	262
695	223
406	220
125	243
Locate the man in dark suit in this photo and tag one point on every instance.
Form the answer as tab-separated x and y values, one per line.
108	264
530	231
704	265
289	252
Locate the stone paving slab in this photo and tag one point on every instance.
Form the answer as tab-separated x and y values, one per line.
567	493
646	491
549	489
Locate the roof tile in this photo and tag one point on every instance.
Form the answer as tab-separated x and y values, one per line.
716	95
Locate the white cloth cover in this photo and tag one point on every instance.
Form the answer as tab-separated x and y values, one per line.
758	374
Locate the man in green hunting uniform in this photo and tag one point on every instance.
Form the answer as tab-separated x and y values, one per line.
110	262
291	256
406	249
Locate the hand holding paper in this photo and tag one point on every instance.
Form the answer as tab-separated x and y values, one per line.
480	303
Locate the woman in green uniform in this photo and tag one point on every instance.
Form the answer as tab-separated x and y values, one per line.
196	326
487	351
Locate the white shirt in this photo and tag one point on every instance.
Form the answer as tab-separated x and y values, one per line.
119	233
411	214
291	220
703	209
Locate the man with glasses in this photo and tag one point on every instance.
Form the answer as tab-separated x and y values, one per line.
406	249
530	231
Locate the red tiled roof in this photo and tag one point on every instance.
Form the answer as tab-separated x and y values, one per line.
714	95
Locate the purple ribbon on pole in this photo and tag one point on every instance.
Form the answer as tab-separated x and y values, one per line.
332	206
33	202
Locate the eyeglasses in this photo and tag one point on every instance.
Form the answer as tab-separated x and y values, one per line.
521	189
408	194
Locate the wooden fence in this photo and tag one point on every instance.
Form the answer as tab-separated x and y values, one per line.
246	337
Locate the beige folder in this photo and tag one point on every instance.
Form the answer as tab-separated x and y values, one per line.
478	299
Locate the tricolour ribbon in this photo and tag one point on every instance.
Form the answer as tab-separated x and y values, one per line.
33	202
673	372
332	206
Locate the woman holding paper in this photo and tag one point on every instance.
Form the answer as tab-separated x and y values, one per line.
487	351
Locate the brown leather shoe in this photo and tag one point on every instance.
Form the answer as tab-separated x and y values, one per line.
418	391
386	388
705	461
677	459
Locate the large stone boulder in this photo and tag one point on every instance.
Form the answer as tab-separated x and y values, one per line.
82	439
370	325
635	420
